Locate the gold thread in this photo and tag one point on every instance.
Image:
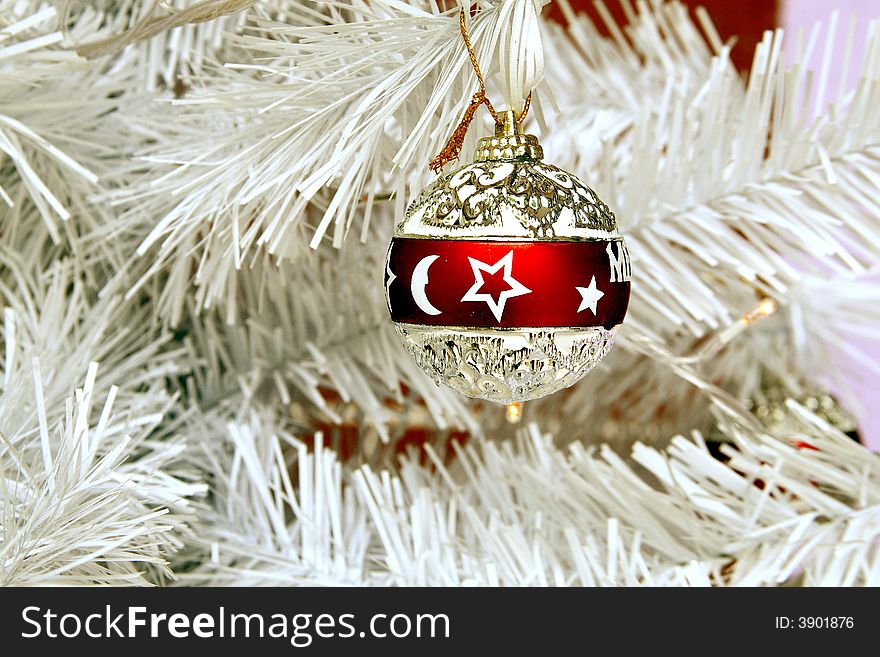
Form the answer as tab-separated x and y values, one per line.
453	146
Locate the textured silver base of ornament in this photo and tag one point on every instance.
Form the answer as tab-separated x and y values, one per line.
506	365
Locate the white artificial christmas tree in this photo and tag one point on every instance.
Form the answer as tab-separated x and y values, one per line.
195	202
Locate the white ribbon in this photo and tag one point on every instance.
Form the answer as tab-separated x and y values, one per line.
521	55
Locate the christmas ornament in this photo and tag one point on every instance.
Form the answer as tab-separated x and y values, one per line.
769	406
507	278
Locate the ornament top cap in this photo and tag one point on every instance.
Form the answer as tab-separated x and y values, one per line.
509	192
508	142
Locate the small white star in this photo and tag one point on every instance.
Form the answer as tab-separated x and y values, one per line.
590	296
516	288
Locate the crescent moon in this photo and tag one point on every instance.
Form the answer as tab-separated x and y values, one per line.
418	283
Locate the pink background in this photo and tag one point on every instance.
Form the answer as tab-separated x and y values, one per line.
795	14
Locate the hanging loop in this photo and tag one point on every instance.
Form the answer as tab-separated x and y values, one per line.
452	149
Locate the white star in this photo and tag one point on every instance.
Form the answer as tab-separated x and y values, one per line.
516	288
391	278
590	296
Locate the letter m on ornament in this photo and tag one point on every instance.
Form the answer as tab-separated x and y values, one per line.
619	263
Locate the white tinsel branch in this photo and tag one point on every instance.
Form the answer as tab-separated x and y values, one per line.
93	490
184	180
529	513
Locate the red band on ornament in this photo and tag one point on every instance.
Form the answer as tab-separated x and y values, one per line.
507	284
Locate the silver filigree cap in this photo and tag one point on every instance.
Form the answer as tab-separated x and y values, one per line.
509	192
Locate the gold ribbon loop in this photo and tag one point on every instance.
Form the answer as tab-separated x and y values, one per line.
452	149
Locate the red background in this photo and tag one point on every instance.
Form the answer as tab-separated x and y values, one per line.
744	19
